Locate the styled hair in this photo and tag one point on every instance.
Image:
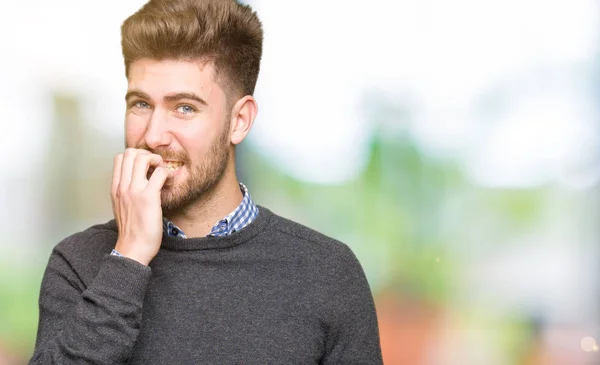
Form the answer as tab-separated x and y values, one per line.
223	32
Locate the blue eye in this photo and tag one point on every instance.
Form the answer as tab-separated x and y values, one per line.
141	104
185	109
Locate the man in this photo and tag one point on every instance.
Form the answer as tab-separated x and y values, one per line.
163	283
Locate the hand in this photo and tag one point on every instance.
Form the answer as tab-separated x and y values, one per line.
136	203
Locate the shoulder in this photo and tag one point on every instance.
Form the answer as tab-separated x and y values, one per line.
329	265
305	240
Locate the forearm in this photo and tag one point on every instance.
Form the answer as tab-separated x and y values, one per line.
97	326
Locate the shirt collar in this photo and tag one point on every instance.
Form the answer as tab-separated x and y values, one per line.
239	218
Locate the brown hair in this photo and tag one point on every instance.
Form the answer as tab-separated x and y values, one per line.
223	32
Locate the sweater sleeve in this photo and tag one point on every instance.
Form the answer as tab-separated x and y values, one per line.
353	334
97	324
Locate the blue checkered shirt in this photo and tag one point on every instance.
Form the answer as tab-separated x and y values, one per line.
243	215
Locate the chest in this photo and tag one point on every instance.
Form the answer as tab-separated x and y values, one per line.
230	313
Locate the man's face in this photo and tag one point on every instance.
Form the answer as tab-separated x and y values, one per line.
177	110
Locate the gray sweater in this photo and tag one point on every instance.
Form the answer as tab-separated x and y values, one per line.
275	292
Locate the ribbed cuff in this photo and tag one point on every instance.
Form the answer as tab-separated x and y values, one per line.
123	277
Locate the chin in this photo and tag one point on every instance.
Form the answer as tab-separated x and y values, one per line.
170	199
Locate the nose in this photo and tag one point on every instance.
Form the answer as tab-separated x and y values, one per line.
157	133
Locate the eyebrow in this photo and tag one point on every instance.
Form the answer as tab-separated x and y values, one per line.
167	98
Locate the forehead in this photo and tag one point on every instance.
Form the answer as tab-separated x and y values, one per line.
161	77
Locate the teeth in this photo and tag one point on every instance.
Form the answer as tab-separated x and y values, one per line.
173	166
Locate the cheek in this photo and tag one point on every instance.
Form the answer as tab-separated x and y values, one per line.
197	140
134	131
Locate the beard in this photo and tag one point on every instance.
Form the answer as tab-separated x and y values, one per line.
201	179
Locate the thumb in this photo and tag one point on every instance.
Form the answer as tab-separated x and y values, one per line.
158	178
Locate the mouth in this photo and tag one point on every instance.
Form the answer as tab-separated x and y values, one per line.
173	165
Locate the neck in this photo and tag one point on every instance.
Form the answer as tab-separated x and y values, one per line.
198	219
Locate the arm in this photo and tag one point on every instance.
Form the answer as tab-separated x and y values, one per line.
353	335
94	325
99	323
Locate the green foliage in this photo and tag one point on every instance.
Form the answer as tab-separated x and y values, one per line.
19	290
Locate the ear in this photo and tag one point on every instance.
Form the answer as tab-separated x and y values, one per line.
242	118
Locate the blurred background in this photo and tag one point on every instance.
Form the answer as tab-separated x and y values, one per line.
453	145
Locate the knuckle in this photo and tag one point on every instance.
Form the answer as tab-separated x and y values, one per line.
129	152
141	157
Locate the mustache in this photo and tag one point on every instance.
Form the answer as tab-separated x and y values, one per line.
166	153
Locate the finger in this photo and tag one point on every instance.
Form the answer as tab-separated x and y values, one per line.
158	178
116	178
140	168
127	167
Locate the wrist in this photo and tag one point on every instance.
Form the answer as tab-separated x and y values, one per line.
133	253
